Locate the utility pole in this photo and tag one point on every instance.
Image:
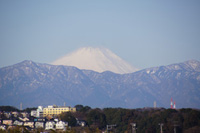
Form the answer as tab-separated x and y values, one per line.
133	127
154	104
175	125
161	125
174	129
110	127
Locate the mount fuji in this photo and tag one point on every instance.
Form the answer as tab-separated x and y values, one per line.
96	59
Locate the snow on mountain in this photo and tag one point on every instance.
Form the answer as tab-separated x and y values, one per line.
96	59
43	84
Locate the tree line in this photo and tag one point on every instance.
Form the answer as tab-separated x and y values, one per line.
147	120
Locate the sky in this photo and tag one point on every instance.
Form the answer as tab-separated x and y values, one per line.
144	33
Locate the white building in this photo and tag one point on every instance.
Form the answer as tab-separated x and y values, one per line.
50	125
60	125
38	112
34	113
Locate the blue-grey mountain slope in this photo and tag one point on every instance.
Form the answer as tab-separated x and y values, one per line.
36	84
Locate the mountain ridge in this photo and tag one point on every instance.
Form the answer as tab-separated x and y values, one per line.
37	83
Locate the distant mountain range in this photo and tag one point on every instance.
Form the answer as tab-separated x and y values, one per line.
96	59
36	84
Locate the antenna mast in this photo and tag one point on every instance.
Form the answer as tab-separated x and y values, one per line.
20	106
171	103
174	105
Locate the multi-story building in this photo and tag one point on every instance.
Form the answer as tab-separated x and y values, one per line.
37	113
55	110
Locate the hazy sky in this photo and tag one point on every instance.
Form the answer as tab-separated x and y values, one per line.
145	33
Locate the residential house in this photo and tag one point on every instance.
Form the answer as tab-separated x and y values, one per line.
61	125
18	123
39	124
34	113
81	123
50	125
24	114
29	124
24	119
7	122
7	114
15	114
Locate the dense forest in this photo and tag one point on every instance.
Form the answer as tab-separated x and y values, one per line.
147	120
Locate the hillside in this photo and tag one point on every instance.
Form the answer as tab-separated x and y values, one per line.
36	84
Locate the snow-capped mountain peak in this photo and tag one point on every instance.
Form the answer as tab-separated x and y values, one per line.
96	59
